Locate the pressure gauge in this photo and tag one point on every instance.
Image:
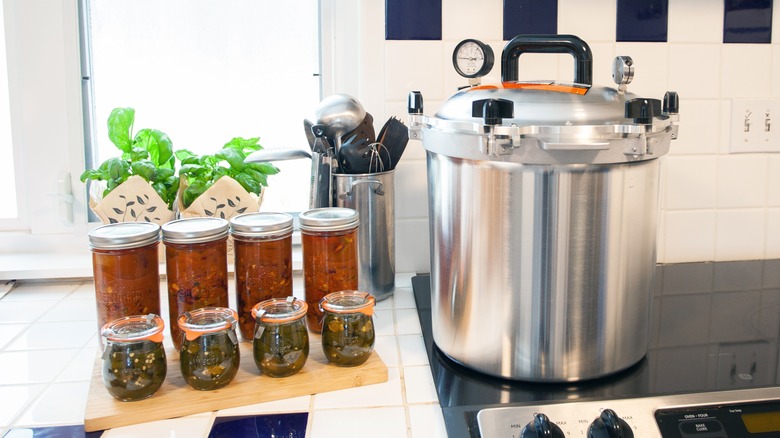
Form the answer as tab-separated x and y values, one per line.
472	58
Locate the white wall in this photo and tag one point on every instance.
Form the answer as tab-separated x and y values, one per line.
714	205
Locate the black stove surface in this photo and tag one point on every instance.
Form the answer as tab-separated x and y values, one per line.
714	326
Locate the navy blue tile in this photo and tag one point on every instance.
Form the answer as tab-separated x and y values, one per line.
642	20
260	426
530	17
747	21
76	431
412	19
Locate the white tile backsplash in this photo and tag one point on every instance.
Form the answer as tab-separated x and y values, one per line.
693	70
689	235
742	180
691	182
593	21
746	70
772	233
699	133
651	68
695	21
462	14
739	234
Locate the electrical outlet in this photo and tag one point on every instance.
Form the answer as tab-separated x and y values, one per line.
754	125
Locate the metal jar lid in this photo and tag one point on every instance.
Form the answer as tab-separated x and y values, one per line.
124	235
329	219
195	230
261	225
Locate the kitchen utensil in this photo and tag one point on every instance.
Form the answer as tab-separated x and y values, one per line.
543	203
339	114
354	155
266	155
394	136
320	194
307	125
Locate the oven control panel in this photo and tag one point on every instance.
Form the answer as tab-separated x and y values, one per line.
753	413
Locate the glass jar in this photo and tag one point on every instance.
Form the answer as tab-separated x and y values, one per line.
262	243
330	256
196	266
134	363
348	327
125	265
281	342
209	354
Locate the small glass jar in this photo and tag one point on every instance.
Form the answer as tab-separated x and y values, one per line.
281	342
330	256
196	266
134	363
262	243
125	265
209	354
348	327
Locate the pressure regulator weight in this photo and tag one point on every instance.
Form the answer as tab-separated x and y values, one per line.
472	58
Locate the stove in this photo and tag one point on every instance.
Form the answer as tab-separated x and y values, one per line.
711	369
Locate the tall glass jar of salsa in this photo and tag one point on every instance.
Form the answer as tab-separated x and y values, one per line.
196	266
134	363
209	355
348	327
330	256
262	243
281	343
126	268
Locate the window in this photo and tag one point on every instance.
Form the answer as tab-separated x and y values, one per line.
8	208
204	72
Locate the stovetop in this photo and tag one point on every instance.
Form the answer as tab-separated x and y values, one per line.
714	327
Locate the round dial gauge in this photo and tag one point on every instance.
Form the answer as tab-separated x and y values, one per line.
472	58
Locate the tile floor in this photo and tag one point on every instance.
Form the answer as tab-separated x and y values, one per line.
48	345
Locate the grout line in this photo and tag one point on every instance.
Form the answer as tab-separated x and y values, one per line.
5	288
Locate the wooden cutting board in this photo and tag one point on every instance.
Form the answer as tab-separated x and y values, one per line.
175	398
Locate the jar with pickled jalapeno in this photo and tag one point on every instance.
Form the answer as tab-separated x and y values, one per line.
209	354
125	265
348	327
330	256
281	342
195	266
262	243
134	363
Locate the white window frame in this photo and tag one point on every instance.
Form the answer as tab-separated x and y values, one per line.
45	91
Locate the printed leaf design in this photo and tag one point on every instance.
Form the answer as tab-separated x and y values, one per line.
231	203
118	211
130	203
242	209
132	213
208	213
213	199
112	221
140	200
123	197
146	219
151	209
222	214
220	206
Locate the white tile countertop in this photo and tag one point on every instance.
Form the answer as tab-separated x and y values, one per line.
49	341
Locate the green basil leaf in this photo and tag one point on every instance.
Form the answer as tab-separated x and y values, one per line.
191	169
164	173
233	157
145	169
157	144
249	184
266	168
117	169
257	176
120	127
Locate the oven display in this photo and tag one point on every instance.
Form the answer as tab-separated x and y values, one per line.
762	422
749	420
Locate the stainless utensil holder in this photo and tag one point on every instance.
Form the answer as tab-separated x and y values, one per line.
372	195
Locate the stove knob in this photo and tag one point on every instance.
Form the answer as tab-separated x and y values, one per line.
541	427
609	425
